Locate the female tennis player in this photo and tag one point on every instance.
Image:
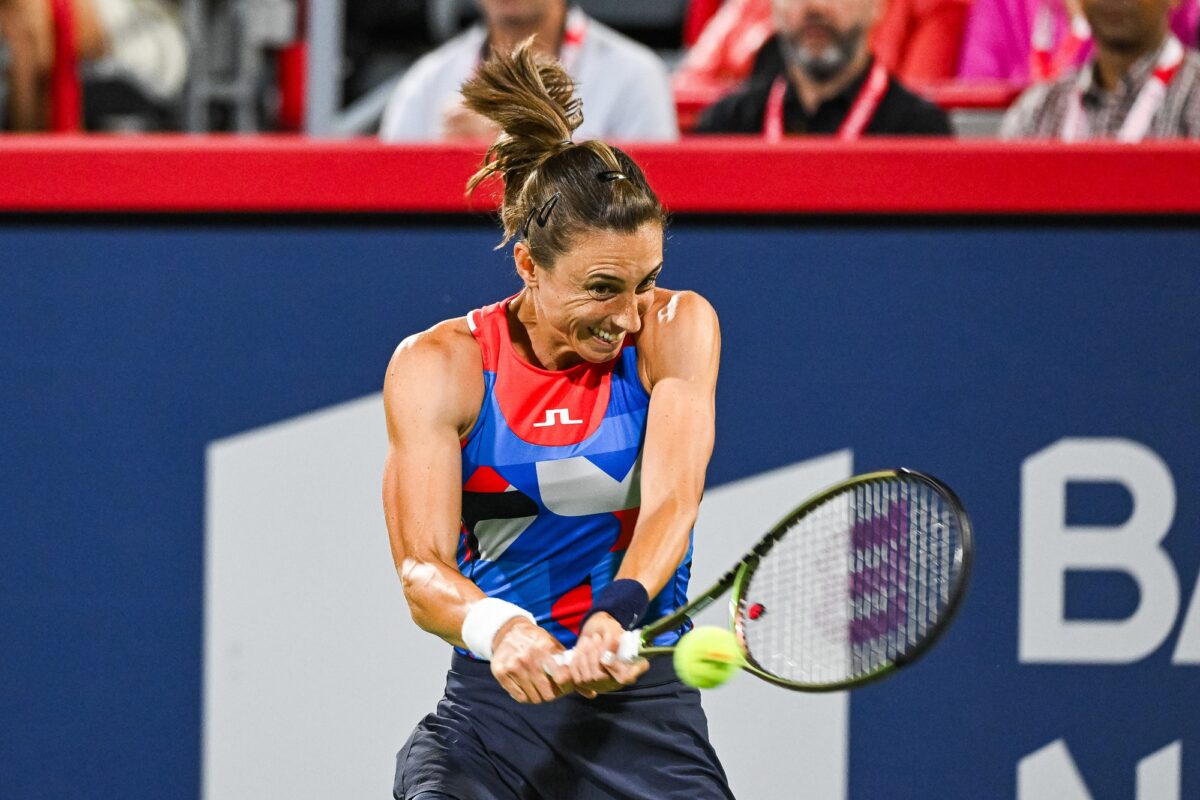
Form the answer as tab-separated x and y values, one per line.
547	459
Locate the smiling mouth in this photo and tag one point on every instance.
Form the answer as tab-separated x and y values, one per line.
609	338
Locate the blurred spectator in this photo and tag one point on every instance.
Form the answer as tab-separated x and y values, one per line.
917	40
28	29
818	75
146	46
1031	40
138	44
1140	82
623	84
724	53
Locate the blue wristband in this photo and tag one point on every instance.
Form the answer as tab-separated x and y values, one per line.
625	600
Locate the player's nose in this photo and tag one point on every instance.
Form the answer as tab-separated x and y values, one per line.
629	318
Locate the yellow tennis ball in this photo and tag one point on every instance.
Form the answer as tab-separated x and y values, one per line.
707	656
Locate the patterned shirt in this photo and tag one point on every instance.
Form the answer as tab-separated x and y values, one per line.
1041	111
552	481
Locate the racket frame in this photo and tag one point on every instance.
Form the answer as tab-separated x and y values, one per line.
738	578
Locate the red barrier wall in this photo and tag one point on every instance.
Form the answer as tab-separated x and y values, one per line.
284	174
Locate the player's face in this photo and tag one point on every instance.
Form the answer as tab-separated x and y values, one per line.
823	36
598	292
1132	26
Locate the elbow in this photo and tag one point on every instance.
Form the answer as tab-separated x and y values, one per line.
687	524
685	514
418	578
680	512
684	505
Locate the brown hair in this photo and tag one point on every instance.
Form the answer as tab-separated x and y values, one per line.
553	188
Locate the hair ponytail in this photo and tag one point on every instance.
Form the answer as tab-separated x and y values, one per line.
551	185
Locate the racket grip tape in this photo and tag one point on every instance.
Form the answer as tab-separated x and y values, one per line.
627	649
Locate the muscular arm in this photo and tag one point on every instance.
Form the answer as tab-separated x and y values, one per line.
680	353
681	346
430	396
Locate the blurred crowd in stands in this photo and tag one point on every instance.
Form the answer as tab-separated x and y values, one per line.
130	54
647	71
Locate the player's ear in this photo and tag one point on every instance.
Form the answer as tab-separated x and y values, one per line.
525	265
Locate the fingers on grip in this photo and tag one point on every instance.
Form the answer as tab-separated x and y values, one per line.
627	650
631	642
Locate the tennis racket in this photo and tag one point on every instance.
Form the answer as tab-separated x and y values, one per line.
854	584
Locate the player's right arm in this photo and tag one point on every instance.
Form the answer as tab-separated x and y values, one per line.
427	397
432	394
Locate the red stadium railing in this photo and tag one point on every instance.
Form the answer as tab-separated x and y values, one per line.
715	176
971	95
693	97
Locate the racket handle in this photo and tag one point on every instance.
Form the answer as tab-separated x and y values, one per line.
631	643
627	649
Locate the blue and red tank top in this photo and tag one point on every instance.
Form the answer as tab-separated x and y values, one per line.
551	481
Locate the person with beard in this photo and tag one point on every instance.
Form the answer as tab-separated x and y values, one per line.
624	85
817	75
1141	82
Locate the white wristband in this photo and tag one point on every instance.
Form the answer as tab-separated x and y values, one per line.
484	621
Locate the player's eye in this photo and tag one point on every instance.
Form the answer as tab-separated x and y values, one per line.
602	291
649	282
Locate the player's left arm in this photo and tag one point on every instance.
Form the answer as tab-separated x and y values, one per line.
682	351
679	350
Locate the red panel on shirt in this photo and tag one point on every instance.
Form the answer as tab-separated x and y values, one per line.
569	609
486	479
553	409
543	407
628	519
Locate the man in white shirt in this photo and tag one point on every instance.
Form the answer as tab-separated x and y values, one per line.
624	85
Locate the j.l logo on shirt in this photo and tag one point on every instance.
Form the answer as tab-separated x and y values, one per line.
557	416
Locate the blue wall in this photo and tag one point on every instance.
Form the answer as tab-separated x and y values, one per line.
958	350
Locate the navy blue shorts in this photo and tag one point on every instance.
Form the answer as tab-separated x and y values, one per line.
648	740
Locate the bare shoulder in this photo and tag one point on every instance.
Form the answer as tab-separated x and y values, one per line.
680	332
446	345
436	375
675	314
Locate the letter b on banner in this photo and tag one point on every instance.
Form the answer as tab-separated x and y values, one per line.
1049	549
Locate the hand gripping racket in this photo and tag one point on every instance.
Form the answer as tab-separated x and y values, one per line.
854	584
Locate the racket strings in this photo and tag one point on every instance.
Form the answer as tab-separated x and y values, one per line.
853	585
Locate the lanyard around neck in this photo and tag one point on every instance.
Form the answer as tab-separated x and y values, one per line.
1148	102
1046	61
574	33
852	127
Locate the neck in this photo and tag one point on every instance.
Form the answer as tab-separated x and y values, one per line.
506	35
1112	64
526	332
813	93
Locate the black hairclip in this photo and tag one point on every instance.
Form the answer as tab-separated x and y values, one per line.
542	213
610	175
